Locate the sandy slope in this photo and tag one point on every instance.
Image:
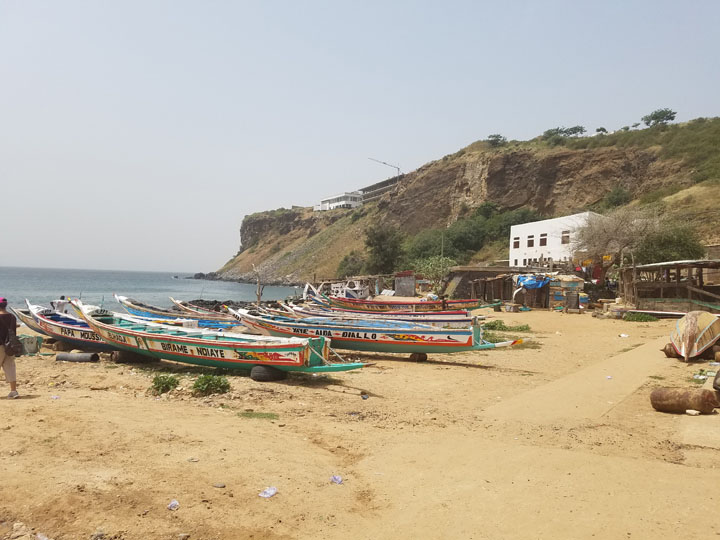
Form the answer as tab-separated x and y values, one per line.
528	443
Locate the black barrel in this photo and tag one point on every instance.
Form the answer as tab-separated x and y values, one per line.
77	357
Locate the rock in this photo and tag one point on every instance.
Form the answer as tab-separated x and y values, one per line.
184	536
218	485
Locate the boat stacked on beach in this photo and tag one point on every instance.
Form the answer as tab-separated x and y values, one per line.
266	358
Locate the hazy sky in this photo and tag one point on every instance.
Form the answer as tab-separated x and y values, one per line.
137	134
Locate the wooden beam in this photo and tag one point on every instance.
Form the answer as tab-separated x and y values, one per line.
704	292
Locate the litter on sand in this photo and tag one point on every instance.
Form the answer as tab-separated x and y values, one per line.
623	335
174	505
268	492
335	479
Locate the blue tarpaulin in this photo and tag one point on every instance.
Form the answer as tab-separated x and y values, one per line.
532	282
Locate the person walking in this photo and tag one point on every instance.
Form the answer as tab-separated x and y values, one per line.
8	325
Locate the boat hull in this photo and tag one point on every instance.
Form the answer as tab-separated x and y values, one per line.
216	349
375	306
370	339
203	320
69	330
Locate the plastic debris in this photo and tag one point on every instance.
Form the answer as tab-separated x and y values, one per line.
364	396
193	460
54	397
711	373
609	377
699	377
623	335
336	479
174	505
714	364
692	412
268	492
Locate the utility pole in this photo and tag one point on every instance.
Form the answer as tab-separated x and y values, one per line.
396	167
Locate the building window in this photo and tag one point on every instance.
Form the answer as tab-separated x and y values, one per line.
543	239
516	242
515	262
531	240
565	237
524	262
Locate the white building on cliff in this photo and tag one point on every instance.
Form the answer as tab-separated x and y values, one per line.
547	239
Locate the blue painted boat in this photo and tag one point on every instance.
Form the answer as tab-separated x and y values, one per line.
203	320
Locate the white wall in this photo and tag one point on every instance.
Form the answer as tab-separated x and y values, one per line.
554	248
344	200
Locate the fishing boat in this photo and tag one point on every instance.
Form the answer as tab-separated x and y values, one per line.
68	328
695	333
267	358
399	305
443	319
193	308
25	316
206	320
370	335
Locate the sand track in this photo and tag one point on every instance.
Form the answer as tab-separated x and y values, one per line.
528	443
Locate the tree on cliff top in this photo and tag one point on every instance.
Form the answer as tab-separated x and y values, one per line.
659	117
496	140
385	248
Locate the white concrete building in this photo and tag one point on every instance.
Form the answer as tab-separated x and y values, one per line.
351	199
547	239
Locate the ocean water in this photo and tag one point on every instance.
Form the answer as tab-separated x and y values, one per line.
43	285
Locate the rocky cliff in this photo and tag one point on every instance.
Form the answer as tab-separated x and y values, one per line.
294	245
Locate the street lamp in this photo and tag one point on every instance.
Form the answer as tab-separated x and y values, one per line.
397	167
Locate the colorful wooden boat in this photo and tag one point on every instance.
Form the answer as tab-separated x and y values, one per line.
192	308
68	328
25	316
205	320
442	319
694	333
216	348
400	305
375	336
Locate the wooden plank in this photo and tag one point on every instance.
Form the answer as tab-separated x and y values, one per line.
704	292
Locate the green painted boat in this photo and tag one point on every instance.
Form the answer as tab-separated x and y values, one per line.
214	348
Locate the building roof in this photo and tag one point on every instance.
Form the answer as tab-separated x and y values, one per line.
561	218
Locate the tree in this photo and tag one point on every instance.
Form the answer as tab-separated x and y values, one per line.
435	269
496	140
601	130
549	133
609	239
385	248
659	117
351	264
574	131
672	242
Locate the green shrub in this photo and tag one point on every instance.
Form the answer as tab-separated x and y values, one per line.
351	264
618	196
164	383
639	317
500	326
210	384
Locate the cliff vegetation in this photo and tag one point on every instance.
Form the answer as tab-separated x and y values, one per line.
464	203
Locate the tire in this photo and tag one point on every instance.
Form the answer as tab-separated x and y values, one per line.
267	374
418	357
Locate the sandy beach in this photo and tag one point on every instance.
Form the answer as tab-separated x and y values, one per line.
555	439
